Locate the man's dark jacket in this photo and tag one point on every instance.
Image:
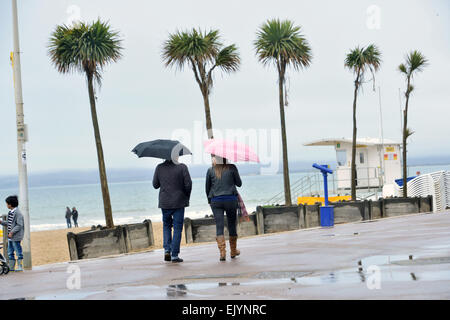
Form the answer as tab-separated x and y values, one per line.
175	185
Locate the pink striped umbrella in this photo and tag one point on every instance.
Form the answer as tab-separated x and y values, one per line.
231	150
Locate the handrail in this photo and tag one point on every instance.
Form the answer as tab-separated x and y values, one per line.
314	184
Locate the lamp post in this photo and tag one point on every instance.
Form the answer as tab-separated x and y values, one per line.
21	140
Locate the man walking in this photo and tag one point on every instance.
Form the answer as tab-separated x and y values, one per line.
68	216
175	186
15	227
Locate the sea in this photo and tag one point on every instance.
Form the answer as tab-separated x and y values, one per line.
135	201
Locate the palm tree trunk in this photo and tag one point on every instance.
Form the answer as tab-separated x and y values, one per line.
287	184
353	166
405	129
101	161
207	115
405	168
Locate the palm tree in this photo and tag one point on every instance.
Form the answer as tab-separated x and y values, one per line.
281	43
87	49
360	60
202	52
415	62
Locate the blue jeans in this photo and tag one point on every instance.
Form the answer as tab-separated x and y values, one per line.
172	218
14	246
69	223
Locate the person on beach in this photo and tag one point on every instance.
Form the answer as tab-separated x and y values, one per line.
75	217
68	216
221	181
16	228
175	184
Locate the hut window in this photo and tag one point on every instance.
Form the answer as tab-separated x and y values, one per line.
341	157
361	157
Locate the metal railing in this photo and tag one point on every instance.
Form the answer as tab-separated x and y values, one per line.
312	185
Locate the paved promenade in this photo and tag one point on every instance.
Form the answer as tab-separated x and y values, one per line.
405	257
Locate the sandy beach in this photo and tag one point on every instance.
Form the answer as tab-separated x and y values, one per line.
51	246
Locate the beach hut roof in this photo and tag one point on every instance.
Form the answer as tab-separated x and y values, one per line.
359	142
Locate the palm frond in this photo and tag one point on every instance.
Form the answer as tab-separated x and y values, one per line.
84	48
416	62
203	51
409	132
361	59
280	41
184	46
402	68
228	59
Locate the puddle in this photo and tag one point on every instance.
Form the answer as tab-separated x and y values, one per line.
211	276
281	274
423	261
73	295
442	246
391	267
178	290
383	260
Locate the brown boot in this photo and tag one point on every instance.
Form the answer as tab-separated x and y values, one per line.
233	242
222	247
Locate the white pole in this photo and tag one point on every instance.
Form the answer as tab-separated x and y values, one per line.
21	140
382	139
401	124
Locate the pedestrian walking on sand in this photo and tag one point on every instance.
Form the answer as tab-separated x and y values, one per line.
75	217
68	216
221	181
16	227
175	186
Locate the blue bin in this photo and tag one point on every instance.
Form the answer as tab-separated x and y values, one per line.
327	216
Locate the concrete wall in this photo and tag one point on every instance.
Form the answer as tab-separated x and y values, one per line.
376	209
98	243
426	204
312	216
351	211
139	235
400	206
122	239
204	229
282	218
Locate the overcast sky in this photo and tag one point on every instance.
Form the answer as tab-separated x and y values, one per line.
141	100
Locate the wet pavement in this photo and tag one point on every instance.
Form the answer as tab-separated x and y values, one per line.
405	257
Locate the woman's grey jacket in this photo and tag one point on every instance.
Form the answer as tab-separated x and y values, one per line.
225	186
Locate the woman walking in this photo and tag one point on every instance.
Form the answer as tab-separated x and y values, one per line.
221	181
75	217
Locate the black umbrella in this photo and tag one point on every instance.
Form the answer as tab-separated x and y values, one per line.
163	149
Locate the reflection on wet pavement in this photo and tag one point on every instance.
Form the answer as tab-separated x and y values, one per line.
176	290
390	267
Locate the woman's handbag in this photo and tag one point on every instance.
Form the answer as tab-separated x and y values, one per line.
242	211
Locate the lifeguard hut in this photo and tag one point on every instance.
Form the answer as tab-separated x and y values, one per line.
377	162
